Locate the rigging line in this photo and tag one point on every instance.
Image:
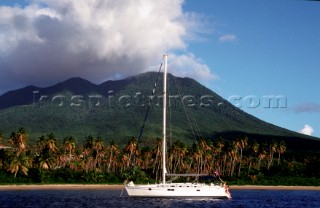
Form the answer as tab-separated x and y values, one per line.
193	118
170	115
184	108
146	116
195	123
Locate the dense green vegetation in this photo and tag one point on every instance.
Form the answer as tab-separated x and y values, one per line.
99	160
116	109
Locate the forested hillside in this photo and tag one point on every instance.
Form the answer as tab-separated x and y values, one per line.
116	109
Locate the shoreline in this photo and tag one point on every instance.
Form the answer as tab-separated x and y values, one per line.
284	188
120	187
62	187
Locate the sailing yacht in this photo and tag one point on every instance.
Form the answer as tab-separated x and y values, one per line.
173	190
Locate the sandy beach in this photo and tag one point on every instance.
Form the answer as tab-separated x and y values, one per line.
119	187
62	187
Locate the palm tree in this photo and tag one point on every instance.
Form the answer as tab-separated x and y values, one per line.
98	147
2	152
224	163
52	143
22	139
179	150
125	162
18	163
262	154
18	140
41	144
205	148
196	161
233	150
89	142
242	143
208	165
158	152
219	145
131	149
281	148
46	162
47	152
88	154
113	151
272	149
146	159
92	153
62	159
69	145
1	138
182	151
254	148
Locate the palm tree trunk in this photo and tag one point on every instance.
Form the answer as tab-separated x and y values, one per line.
110	161
224	164
239	171
156	161
233	166
249	166
259	163
270	161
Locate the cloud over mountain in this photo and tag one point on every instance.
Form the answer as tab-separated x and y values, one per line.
51	40
307	129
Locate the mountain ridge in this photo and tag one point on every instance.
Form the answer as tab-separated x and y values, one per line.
115	109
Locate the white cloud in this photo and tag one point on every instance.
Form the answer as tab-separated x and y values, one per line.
228	38
187	65
51	40
307	129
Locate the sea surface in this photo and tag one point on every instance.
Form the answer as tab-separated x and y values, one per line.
117	198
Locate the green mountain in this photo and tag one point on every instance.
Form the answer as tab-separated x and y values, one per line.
116	110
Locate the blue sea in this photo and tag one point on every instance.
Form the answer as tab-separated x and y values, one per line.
113	198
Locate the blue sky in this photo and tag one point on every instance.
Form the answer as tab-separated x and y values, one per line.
239	49
273	49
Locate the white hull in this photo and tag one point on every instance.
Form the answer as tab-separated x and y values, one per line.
174	190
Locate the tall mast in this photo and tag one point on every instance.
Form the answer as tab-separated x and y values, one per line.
164	171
